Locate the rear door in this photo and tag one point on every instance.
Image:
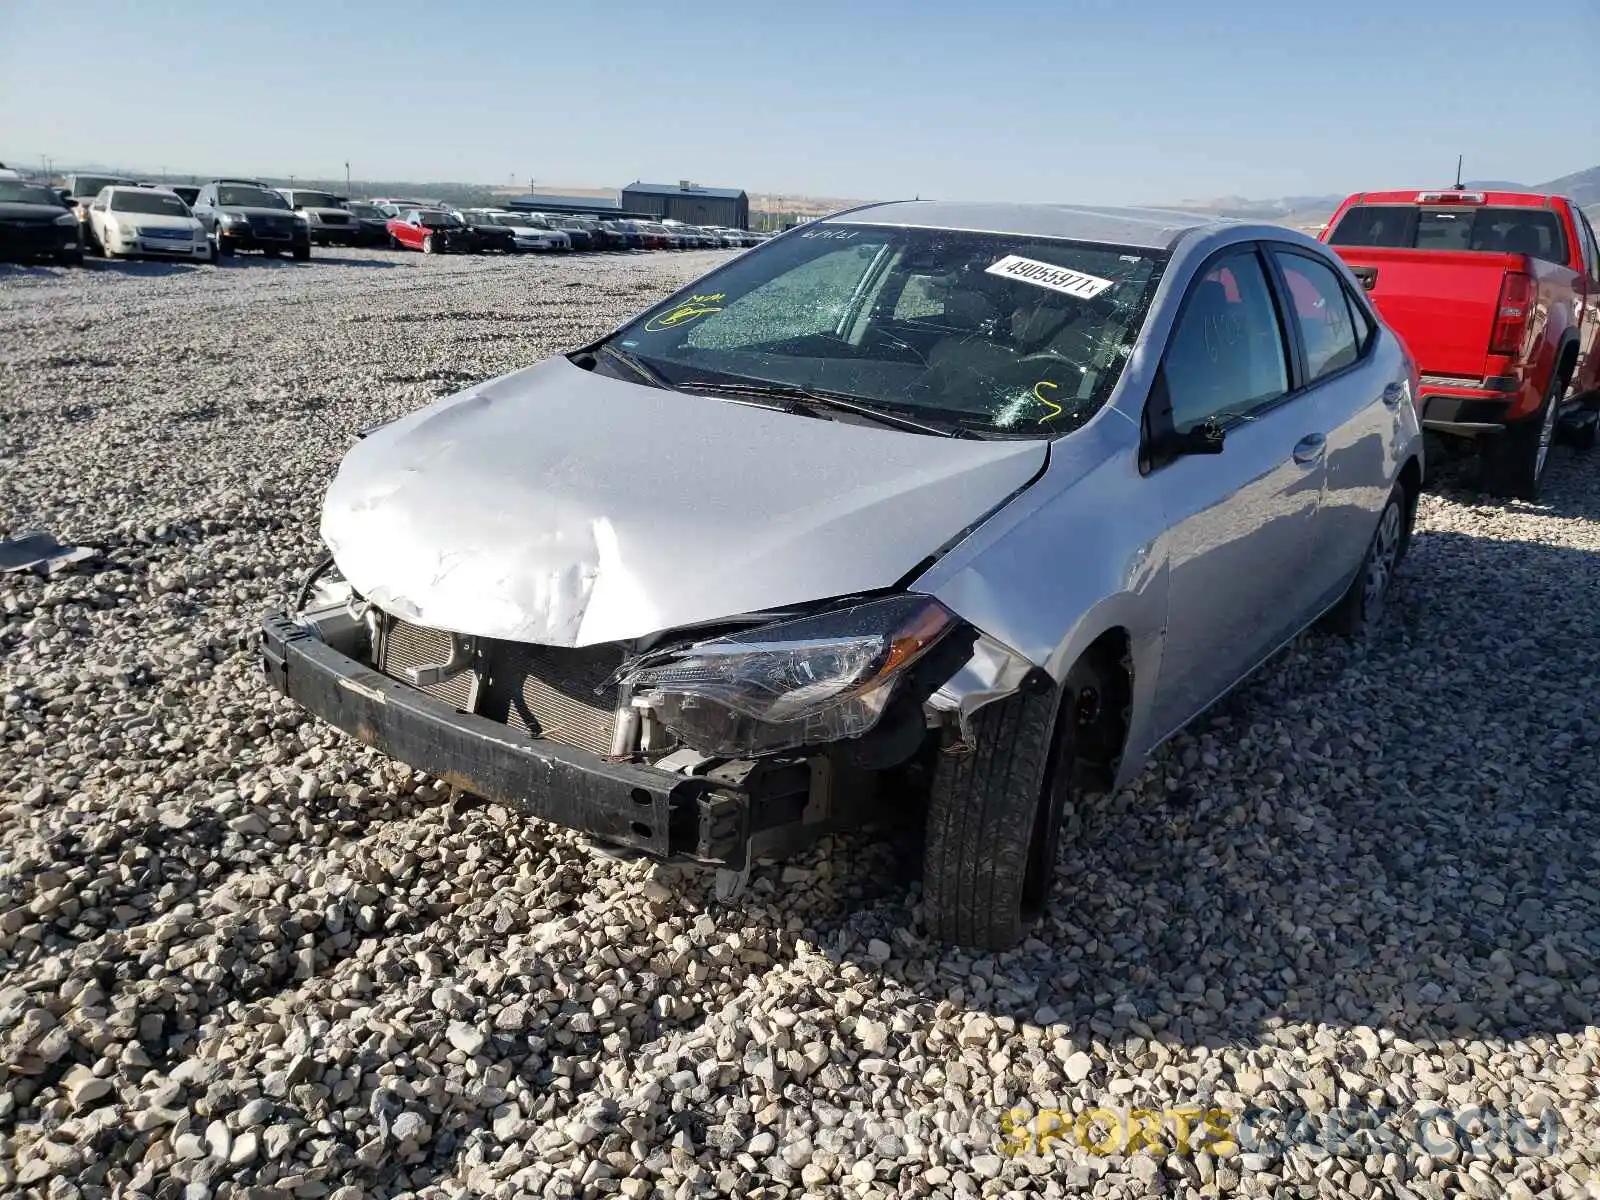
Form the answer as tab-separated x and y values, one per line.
1360	404
1241	523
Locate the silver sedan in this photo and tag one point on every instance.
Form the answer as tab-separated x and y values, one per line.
978	503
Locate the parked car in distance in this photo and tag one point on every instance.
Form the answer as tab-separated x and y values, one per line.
146	222
1087	470
246	214
656	236
626	234
396	206
527	232
186	192
371	223
1497	294
579	235
328	220
35	223
432	231
84	187
491	235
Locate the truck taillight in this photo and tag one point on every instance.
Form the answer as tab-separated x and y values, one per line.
1511	313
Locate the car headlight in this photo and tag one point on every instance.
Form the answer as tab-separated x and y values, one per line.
299	220
126	230
229	218
67	220
794	683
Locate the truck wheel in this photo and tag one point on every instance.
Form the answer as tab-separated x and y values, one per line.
995	815
1361	607
1513	464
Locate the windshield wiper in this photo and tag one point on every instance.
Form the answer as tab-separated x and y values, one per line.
814	402
637	365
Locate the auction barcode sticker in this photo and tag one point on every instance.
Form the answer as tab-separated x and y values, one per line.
1048	275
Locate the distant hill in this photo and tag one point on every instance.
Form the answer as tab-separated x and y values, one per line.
1582	186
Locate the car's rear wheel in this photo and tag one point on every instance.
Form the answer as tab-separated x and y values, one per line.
1361	607
1512	464
427	244
995	814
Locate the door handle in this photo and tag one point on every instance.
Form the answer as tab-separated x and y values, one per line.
1310	449
1393	393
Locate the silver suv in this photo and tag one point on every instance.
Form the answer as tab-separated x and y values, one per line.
976	502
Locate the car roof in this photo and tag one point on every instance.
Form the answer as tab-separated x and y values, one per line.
1143	228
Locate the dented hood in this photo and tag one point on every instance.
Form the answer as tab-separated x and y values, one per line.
563	507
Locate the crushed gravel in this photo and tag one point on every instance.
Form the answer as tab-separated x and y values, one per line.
240	955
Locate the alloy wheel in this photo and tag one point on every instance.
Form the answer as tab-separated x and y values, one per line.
1381	562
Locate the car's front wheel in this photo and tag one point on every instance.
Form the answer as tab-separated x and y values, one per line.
1361	607
995	814
427	244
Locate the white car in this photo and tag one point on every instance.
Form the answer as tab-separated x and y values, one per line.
146	220
527	230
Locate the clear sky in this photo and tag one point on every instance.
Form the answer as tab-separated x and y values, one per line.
1096	101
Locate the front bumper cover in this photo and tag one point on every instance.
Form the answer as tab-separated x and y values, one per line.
704	819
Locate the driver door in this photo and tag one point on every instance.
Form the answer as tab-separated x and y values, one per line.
1240	523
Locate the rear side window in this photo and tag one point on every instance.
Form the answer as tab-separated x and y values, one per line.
1321	308
1513	229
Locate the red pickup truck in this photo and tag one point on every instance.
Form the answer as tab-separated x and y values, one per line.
1497	296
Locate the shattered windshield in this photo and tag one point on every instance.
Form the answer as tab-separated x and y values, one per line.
1012	334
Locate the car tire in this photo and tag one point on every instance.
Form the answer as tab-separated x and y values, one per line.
211	257
1512	464
302	253
1361	607
224	249
427	243
995	815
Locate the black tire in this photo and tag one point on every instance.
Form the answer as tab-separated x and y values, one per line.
1512	464
995	816
394	242
224	249
302	253
1361	607
427	244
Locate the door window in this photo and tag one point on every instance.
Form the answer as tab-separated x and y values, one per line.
1321	309
1591	252
1225	357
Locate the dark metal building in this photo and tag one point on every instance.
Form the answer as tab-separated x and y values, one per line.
689	203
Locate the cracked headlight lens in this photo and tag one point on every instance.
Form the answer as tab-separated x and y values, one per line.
817	679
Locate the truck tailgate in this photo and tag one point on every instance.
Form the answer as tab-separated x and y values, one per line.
1441	302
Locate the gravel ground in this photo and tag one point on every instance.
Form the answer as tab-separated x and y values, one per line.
241	955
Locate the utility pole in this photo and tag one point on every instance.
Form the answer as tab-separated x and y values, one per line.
347	179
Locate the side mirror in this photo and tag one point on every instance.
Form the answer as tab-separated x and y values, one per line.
1205	438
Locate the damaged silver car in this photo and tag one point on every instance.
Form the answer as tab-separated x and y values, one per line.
974	503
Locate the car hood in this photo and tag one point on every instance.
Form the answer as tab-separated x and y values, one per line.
157	220
255	210
12	211
562	507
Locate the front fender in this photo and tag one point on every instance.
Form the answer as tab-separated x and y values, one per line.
1079	553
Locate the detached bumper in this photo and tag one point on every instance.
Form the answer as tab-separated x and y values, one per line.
665	815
